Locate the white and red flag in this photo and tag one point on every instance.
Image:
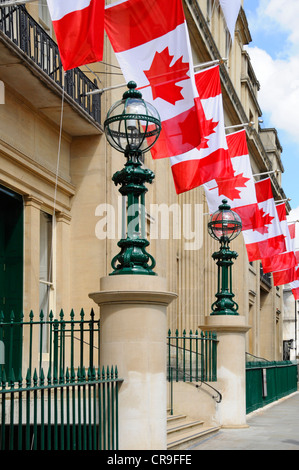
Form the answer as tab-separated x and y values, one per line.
286	260
231	10
79	30
211	159
268	240
151	44
238	190
287	276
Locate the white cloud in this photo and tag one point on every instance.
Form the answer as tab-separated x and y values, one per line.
279	94
278	70
285	13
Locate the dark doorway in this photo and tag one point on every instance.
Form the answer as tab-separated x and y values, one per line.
11	271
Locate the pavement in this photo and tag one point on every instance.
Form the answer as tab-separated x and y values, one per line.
274	427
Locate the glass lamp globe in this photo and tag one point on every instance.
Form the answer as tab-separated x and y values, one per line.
132	124
225	225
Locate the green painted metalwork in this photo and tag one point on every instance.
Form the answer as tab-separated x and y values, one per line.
192	357
267	382
71	341
72	411
133	257
70	407
225	225
133	133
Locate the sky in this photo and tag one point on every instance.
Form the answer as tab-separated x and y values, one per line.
274	53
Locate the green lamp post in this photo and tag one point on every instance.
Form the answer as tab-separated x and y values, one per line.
225	225
132	127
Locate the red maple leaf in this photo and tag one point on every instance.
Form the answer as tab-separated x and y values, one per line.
163	77
209	127
228	186
264	220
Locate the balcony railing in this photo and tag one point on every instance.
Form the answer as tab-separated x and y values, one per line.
24	32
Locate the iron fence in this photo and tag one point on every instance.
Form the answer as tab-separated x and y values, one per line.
53	394
66	411
269	381
192	357
49	342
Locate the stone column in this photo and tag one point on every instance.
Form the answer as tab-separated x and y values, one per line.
62	284
133	338
231	380
32	208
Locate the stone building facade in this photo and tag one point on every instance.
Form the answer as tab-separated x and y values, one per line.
57	179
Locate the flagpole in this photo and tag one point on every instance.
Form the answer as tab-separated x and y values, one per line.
244	124
211	62
267	173
283	200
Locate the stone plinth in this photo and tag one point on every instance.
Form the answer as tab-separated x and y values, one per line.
133	336
231	360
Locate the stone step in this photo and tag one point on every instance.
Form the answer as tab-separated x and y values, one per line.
181	424
190	436
183	432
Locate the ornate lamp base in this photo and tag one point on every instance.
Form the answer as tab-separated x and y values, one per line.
133	258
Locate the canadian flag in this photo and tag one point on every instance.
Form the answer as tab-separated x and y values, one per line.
211	159
268	240
287	276
79	30
151	44
290	273
286	260
238	190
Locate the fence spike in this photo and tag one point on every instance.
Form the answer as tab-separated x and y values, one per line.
20	378
49	376
12	378
73	375
35	378
42	377
28	378
3	379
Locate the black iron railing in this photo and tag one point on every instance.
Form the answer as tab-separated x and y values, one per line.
24	32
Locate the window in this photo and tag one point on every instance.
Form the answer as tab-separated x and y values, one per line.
45	270
209	10
44	15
